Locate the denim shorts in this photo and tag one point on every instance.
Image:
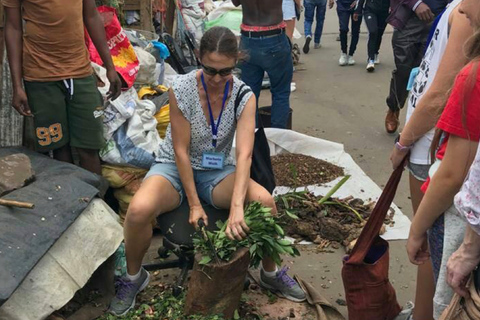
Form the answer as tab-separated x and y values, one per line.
419	171
205	180
288	7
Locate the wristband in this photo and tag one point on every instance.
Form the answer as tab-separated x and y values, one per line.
400	146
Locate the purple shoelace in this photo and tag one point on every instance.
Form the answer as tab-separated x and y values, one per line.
285	278
122	287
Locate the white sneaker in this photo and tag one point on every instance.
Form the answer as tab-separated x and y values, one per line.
343	59
371	66
377	59
317	46
351	62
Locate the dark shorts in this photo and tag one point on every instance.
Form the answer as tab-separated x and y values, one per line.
62	118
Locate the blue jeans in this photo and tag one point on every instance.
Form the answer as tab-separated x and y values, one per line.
274	56
320	6
345	15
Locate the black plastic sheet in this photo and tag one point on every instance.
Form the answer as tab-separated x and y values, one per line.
60	192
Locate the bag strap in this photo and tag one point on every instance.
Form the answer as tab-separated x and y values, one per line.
372	229
241	94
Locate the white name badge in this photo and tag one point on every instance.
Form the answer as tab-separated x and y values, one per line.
213	160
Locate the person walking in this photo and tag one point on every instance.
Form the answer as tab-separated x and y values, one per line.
290	15
314	9
411	20
345	12
375	13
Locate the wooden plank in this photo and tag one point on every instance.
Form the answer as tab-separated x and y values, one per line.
170	16
146	15
131	5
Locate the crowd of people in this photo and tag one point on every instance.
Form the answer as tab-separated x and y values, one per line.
436	47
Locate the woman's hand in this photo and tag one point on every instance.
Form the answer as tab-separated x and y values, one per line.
397	156
197	213
459	267
353	5
236	227
331	3
417	248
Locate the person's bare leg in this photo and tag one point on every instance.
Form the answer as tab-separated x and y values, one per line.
425	281
290	28
90	160
63	154
155	196
222	197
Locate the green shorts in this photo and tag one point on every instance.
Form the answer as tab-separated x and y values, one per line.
66	112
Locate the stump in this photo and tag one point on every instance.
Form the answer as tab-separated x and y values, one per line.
217	288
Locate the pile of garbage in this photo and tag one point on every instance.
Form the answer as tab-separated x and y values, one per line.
136	122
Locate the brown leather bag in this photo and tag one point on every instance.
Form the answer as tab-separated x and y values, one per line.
368	292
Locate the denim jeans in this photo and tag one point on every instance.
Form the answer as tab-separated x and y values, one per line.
312	6
345	15
274	56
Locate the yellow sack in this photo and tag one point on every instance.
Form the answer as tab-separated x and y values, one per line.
163	119
120	176
151	91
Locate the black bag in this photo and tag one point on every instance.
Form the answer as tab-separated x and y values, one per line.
298	11
261	170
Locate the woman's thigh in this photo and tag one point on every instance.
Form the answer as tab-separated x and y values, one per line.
223	192
156	195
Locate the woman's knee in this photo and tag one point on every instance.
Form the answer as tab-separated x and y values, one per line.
139	213
267	200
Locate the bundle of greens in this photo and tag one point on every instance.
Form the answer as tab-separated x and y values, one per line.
265	239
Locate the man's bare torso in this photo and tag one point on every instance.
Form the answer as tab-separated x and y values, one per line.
261	12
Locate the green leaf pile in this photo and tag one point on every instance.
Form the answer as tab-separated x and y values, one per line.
265	239
163	307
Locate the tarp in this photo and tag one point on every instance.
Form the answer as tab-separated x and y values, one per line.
60	193
67	266
225	15
359	185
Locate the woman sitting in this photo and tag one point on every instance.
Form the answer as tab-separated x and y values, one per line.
194	161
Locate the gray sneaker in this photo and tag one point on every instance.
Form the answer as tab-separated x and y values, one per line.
125	293
283	285
407	312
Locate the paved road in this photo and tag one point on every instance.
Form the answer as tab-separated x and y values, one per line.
347	105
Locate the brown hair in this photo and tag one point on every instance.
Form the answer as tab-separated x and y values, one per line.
220	40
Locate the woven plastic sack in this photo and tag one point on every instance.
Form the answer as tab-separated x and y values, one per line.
123	55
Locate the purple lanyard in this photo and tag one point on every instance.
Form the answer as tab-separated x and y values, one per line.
212	120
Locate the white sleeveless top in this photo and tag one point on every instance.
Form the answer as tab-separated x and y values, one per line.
185	88
420	153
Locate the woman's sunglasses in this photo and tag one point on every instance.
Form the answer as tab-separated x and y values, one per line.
213	72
